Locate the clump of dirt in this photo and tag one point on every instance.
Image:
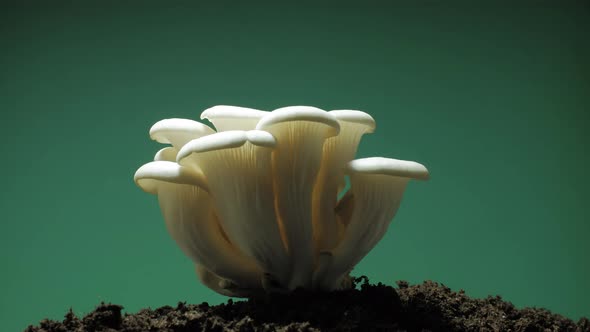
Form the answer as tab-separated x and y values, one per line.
429	306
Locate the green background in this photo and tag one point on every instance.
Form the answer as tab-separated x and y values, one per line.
491	98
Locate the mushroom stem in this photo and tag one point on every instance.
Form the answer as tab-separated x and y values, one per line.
237	165
186	206
300	133
377	188
337	151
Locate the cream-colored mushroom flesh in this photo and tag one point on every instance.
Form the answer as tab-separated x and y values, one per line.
178	132
166	154
337	151
377	187
212	281
222	286
186	206
260	205
300	134
238	168
226	118
151	176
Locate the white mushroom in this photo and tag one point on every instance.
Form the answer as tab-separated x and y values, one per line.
237	165
178	132
337	151
226	118
189	217
377	187
300	132
255	205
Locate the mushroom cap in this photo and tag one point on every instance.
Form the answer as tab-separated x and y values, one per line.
355	117
231	112
388	166
149	176
163	130
226	118
299	113
226	140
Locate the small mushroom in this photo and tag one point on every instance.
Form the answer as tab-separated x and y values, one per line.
212	281
300	133
238	168
377	187
223	286
337	151
226	118
186	206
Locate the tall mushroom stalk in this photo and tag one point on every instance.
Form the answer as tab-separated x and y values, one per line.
237	165
300	133
337	151
377	187
186	206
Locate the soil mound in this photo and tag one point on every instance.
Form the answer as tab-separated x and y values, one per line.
429	306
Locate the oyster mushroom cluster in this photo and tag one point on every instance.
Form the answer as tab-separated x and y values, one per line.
255	203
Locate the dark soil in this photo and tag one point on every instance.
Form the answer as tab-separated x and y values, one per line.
426	307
